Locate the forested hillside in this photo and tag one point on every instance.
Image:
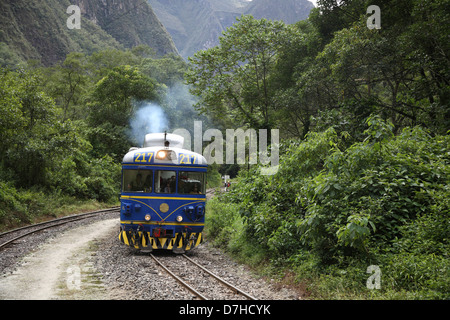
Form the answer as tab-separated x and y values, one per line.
363	179
288	11
38	29
65	129
198	24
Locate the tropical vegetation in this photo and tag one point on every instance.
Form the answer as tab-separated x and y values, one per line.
363	178
364	158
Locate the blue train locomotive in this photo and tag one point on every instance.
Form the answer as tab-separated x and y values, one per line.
163	195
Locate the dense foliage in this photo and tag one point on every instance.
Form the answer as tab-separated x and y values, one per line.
363	114
364	160
64	129
330	69
383	201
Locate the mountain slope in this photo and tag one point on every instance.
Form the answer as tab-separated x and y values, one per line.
130	22
289	11
193	24
197	24
36	29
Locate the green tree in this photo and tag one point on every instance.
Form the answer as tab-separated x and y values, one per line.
112	99
28	149
111	107
234	78
12	122
68	84
296	55
334	15
395	72
168	70
8	58
35	139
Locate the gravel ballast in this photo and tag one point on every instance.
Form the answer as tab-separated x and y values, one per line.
97	266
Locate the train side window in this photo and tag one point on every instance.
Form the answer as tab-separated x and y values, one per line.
137	181
165	181
191	182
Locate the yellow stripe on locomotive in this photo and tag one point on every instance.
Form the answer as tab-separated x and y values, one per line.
180	243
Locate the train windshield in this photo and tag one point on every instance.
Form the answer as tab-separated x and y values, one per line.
165	181
191	182
137	181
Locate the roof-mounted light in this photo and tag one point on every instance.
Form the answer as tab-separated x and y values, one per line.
166	155
161	155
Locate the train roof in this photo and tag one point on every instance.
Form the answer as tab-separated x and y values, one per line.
163	149
159	140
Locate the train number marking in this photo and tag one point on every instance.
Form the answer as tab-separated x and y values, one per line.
188	159
143	157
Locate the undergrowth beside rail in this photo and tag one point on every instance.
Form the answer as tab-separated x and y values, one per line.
333	211
23	207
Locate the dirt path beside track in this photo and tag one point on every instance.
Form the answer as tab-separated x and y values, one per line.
54	271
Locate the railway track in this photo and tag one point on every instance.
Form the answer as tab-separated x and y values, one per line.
139	276
189	286
9	237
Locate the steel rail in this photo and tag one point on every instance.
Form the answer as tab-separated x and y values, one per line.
63	220
220	279
198	294
58	219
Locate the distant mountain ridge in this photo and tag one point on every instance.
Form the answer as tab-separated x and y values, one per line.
289	11
197	24
36	29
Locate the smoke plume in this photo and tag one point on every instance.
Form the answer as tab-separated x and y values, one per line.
149	118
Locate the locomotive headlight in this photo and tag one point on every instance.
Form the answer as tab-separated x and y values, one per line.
148	217
179	218
161	155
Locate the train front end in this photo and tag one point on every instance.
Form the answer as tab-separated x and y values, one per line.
163	196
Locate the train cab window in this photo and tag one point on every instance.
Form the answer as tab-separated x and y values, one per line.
137	181
191	182
165	181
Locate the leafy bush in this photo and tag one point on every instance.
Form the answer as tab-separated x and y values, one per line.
380	201
266	202
222	222
11	208
214	178
19	207
103	182
367	193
